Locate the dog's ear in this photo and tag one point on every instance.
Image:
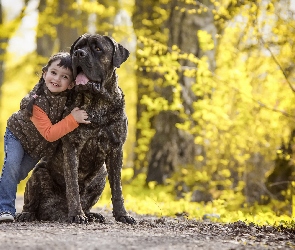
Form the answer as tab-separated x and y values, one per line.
120	54
73	45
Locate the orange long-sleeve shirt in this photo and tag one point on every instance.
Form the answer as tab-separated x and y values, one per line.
52	132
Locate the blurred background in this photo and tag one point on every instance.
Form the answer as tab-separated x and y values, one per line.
209	89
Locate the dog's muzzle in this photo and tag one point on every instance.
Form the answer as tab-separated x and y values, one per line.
83	83
94	87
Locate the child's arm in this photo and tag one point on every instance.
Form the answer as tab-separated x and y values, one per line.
52	132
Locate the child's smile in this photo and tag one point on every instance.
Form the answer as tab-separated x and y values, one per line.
57	79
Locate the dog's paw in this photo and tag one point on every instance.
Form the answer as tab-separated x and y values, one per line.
78	219
126	219
95	217
25	217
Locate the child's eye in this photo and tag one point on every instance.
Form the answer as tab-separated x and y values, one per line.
65	77
53	72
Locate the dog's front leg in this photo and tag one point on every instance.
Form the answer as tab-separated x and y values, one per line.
114	168
71	164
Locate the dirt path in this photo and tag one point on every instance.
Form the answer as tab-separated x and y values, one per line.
149	233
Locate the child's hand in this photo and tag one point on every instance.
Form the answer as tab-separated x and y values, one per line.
80	115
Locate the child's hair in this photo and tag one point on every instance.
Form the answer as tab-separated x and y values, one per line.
65	62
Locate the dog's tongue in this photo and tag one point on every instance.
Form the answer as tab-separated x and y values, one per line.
81	79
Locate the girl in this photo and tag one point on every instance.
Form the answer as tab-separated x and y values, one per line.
34	130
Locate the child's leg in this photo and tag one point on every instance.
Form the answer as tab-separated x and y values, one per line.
17	165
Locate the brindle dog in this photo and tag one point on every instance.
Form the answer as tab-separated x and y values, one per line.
67	186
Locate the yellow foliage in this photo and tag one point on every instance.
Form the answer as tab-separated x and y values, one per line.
238	114
159	200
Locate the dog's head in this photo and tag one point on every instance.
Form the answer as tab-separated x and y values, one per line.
94	59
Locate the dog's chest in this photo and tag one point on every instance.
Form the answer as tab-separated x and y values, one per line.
108	122
100	117
105	128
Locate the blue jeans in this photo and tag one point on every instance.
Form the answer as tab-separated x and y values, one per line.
17	165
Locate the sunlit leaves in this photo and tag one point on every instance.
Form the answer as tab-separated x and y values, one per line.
239	115
242	105
91	7
205	40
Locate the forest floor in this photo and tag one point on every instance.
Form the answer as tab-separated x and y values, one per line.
149	233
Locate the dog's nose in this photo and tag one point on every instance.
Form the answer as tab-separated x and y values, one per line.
79	53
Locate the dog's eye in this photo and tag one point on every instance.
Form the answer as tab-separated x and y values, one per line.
97	49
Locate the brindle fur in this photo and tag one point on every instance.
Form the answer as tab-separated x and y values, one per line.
67	186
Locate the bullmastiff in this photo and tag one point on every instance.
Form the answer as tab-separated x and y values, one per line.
66	186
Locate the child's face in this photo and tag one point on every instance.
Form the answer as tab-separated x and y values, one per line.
58	79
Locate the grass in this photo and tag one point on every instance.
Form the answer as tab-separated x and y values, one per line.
160	201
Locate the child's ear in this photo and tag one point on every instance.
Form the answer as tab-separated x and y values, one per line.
71	85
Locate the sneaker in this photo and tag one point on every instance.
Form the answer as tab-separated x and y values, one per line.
6	217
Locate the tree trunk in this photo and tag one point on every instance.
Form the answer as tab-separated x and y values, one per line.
279	181
66	33
45	41
171	147
143	10
281	177
49	42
